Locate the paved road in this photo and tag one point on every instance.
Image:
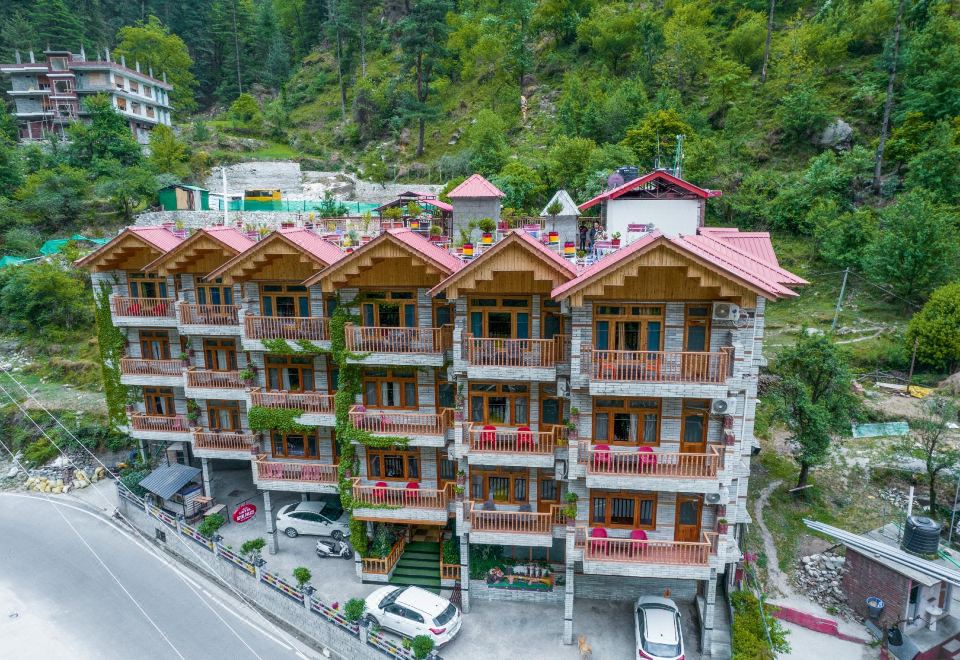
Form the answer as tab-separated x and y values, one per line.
57	600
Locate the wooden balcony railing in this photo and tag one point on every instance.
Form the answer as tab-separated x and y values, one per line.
563	347
401	497
288	471
510	441
141	367
561	433
286	327
223	440
142	422
488	352
398	340
652	464
191	314
214	379
650	551
383	565
657	366
519	522
401	422
311	402
449	571
145	307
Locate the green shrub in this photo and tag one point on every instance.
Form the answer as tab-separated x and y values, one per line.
358	536
354	609
210	525
451	551
936	329
302	575
422	645
749	635
39	452
252	548
132	481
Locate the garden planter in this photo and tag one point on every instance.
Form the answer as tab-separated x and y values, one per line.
468	250
722	528
458	415
615	242
286	225
553	237
503	226
486	238
414	225
569	249
438	238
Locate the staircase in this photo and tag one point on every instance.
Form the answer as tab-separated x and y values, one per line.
720	637
419	566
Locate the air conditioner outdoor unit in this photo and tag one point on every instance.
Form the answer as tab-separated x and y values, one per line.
713	498
725	312
723	406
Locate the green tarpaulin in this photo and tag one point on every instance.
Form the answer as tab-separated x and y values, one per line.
55	246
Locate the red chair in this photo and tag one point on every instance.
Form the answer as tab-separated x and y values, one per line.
601	457
412	488
638	535
134	309
380	491
648	460
598	542
524	438
488	437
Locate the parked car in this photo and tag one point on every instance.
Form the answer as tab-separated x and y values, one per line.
412	611
656	623
312	518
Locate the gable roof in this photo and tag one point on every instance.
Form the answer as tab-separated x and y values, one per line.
730	250
475	186
419	197
561	266
756	243
231	240
156	239
410	240
762	277
569	206
303	240
662	175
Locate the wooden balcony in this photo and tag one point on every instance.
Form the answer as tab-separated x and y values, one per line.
401	504
312	473
223	441
520	353
402	422
398	340
449	571
286	327
172	424
209	379
309	402
383	565
511	441
524	528
656	366
191	314
142	367
671	465
156	308
609	552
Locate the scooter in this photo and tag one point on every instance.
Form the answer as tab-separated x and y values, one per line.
333	548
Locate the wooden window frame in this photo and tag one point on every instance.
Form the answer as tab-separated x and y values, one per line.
152	394
547	475
390	378
438	303
499	392
136	282
511	474
702	408
640	412
440	379
371	298
642	315
289	364
551	310
404	454
689	321
229	346
225	292
288	289
232	408
162	337
609	495
500	308
283	436
547	396
441	457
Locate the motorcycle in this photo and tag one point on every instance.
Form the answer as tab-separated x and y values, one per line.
334	548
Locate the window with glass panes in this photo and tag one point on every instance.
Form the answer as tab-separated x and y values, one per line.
393	464
215	293
295	445
442	311
551	406
446	469
154	345
220	354
623	510
628	327
147	285
390	388
289	373
626	421
697	328
500	485
551	319
223	415
501	404
446	391
159	401
388	309
500	318
284	300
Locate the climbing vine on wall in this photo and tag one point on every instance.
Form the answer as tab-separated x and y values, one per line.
279	419
111	343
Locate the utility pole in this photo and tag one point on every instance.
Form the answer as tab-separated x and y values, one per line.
226	198
843	288
913	360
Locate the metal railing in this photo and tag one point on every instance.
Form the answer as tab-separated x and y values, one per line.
401	497
519	522
143	422
490	352
144	367
214	379
383	565
657	366
510	440
311	402
287	471
647	551
223	440
286	327
401	422
143	307
652	463
361	339
192	314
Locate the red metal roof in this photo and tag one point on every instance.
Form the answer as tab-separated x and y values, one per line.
160	237
433	201
643	180
430	251
232	238
545	251
733	249
323	250
475	186
756	243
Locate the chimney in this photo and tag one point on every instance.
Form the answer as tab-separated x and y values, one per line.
16	56
83	54
33	60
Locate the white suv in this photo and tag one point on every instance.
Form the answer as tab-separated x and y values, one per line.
412	611
309	518
656	622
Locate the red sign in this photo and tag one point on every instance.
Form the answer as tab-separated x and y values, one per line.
244	512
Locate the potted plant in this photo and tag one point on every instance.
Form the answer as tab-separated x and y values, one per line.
459	490
581	254
193	412
354	609
722	526
574	414
436	233
461	477
570	510
422	646
487	227
248	374
302	575
211	523
615	239
251	549
569	248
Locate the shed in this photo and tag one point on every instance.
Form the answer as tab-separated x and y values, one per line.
474	199
565	222
181	197
175	488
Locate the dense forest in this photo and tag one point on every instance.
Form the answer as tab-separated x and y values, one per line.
836	121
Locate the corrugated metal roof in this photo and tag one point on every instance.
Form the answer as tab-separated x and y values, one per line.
475	186
326	252
160	237
566	201
431	251
166	481
230	237
756	243
647	178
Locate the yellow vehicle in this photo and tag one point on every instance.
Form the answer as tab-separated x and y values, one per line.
261	195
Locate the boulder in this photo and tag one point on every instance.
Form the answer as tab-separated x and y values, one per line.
838	135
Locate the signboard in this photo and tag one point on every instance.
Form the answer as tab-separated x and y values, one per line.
244	512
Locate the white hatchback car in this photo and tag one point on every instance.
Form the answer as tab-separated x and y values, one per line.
656	622
309	518
412	611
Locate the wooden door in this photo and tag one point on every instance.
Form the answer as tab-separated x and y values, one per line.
154	345
693	427
696	342
548	493
220	354
687	524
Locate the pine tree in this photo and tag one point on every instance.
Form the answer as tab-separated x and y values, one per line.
423	37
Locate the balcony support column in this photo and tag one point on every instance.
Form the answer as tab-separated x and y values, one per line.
465	572
709	602
271	530
568	587
207	470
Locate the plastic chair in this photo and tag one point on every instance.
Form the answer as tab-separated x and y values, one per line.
637	535
380	490
648	460
601	457
411	492
488	437
524	438
598	542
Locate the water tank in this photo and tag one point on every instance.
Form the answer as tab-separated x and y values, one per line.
628	172
921	536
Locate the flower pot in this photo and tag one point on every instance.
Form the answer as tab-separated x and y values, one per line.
553	237
414	225
468	250
569	248
458	415
286	225
722	528
615	242
438	238
486	238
